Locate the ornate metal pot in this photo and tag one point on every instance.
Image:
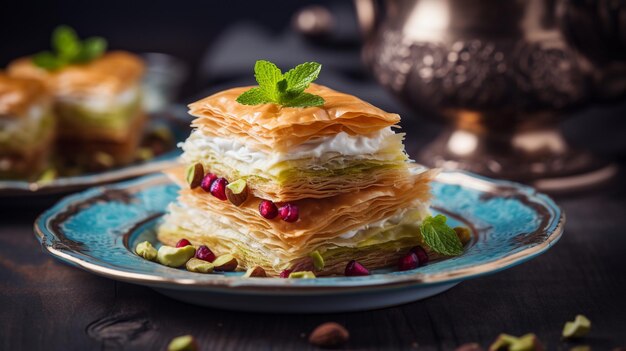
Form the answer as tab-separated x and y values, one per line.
502	73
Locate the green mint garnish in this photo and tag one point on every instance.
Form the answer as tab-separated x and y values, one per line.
68	49
283	89
440	237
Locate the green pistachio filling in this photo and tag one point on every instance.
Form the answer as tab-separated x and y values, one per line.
27	135
74	117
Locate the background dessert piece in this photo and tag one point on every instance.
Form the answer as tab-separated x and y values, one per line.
27	127
98	104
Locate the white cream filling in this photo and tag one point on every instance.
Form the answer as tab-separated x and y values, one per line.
10	127
102	103
198	145
389	221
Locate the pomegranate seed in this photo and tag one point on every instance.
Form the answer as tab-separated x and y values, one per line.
207	181
218	188
183	243
205	254
267	209
409	261
354	269
285	273
289	213
422	256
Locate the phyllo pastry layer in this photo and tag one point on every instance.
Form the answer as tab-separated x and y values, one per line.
27	126
317	168
366	225
277	128
97	100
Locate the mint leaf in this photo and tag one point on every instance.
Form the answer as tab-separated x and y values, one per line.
68	49
304	100
254	96
92	48
268	76
65	42
300	77
286	90
47	60
440	237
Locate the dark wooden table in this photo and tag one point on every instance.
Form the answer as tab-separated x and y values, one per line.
47	305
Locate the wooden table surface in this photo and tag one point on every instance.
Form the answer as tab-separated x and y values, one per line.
48	305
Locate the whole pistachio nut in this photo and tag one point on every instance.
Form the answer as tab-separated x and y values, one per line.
577	328
302	275
255	272
318	260
237	192
175	256
48	175
146	250
194	175
225	263
199	266
183	343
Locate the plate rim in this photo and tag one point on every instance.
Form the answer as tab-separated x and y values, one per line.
316	286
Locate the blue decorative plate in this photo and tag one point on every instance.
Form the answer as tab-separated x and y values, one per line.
97	229
175	119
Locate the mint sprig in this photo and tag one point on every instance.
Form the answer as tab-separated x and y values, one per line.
440	237
283	89
68	49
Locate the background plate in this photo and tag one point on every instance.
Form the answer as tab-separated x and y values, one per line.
176	119
95	230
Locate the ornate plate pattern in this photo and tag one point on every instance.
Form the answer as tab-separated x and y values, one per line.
97	229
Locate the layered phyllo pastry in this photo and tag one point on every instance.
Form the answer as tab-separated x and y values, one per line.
27	127
97	96
297	177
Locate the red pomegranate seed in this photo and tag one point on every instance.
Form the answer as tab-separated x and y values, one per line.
207	181
205	254
409	261
289	213
422	256
218	188
268	209
354	269
285	273
183	243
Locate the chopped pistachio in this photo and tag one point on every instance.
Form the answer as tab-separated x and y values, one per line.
527	342
225	263
175	256
578	328
318	260
502	342
255	272
103	159
48	175
144	154
302	275
183	343
146	250
581	348
199	266
464	234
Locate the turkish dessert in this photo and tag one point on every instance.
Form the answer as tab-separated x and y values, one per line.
97	97
294	177
27	127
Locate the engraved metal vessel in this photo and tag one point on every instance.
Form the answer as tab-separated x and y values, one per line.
502	74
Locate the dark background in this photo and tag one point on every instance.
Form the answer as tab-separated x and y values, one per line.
182	28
